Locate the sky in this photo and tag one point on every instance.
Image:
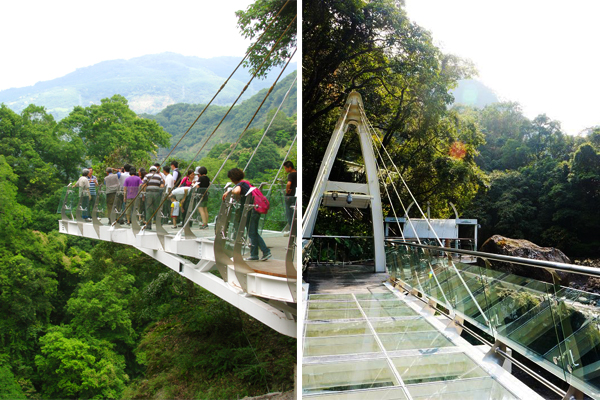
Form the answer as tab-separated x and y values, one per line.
543	54
44	40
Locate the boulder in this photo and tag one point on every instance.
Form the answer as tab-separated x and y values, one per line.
498	244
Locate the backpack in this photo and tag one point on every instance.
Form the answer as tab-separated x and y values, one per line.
261	204
179	178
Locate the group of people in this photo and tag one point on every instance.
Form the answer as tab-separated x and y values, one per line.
123	185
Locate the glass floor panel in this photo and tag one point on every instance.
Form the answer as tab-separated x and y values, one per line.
471	389
376	296
381	394
437	367
382	303
347	297
337	329
345	360
377	312
414	340
326	346
340	376
334	314
406	325
331	305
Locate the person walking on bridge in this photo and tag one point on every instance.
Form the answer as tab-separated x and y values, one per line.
240	192
290	193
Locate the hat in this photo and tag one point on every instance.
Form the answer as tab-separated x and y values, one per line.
197	171
152	168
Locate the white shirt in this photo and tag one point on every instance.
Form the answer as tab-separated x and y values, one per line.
169	182
124	175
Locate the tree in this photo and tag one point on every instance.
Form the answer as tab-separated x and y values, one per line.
100	309
23	143
9	388
113	131
79	367
254	21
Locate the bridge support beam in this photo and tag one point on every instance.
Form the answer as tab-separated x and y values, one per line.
351	115
280	320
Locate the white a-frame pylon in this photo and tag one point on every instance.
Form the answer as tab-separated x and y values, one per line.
347	194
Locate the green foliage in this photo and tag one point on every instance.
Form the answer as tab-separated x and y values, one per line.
24	143
112	131
254	21
9	388
13	216
208	342
177	118
100	308
543	185
77	367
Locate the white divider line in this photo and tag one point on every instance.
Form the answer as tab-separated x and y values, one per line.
387	357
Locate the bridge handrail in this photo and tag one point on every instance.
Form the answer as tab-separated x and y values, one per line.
570	268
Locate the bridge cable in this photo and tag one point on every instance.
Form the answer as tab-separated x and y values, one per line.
407	216
216	94
237	141
272	119
234	146
227	113
450	261
281	166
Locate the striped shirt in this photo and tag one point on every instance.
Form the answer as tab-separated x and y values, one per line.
93	181
153	181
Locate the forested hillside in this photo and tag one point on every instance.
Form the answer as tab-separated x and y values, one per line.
87	319
543	185
177	118
150	83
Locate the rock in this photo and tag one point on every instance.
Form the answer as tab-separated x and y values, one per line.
586	283
524	248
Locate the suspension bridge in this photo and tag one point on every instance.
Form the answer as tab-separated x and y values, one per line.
427	320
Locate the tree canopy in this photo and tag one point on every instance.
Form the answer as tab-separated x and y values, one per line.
404	80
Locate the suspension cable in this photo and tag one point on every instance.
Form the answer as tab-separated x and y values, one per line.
281	166
407	216
272	119
228	111
233	147
248	52
450	261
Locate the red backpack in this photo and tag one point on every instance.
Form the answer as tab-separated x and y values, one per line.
261	204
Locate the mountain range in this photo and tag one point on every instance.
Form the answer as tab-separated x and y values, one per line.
150	83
